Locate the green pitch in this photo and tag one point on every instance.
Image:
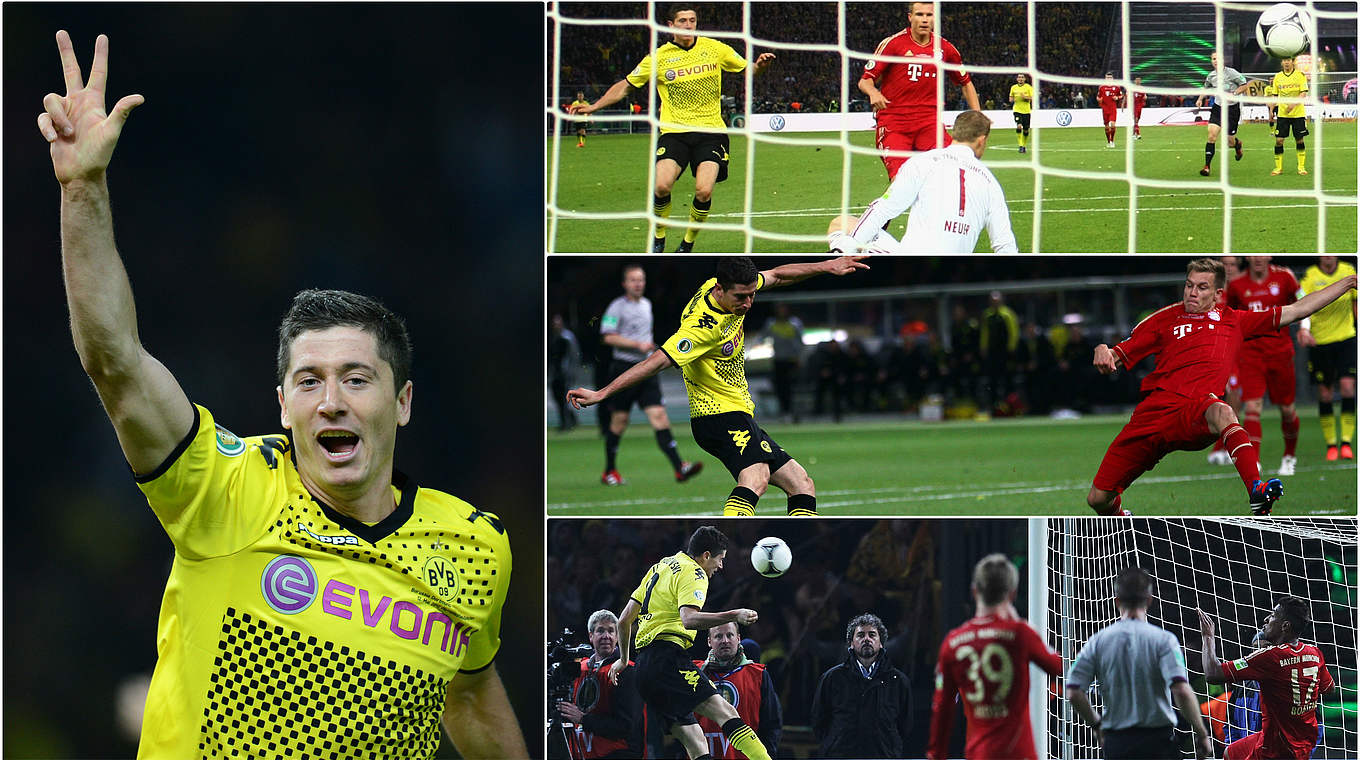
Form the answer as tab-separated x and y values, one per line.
799	185
1033	466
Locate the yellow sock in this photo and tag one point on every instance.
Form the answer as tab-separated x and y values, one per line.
698	214
737	508
662	208
747	743
1347	426
1302	153
1328	422
1279	161
1020	138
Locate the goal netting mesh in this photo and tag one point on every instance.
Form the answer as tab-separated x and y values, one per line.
1232	568
802	133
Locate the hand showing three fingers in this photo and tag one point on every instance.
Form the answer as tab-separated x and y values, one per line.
82	134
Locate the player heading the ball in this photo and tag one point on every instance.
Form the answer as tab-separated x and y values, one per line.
667	607
1196	343
688	76
951	194
709	348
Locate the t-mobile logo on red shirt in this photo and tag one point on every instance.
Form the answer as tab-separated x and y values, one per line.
914	71
1182	330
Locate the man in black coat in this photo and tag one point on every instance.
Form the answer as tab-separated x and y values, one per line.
862	707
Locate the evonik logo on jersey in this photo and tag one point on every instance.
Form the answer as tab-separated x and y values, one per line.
290	585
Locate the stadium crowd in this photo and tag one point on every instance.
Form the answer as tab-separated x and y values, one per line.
1072	39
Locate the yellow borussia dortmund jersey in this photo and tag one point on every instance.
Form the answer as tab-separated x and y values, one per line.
689	82
710	350
1023	97
578	103
290	629
1335	321
1291	89
674	582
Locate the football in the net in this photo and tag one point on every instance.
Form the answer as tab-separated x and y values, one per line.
771	557
1282	30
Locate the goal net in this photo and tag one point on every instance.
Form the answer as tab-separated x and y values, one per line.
1234	569
803	144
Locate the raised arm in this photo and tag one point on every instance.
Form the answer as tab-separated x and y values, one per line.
695	619
626	618
584	397
611	96
478	717
149	411
788	274
1213	670
1314	301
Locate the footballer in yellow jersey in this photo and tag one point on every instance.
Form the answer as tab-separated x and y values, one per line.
1022	99
319	604
666	609
1291	87
709	349
582	122
688	75
1329	336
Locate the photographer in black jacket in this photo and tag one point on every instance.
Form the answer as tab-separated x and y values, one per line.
863	705
607	718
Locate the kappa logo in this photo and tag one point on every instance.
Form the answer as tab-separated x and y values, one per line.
692	678
740	438
333	540
707	322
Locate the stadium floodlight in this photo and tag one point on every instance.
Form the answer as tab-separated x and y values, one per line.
1235	569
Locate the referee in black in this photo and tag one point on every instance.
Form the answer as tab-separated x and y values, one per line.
1140	668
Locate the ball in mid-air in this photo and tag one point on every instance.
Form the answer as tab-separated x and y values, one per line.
771	557
1282	30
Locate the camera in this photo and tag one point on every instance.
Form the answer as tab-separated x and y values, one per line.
563	652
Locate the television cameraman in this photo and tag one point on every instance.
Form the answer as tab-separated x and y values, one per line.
607	719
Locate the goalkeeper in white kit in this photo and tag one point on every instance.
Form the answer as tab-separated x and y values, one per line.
952	196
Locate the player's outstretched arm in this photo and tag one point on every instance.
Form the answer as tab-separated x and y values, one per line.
1310	303
788	274
1213	671
762	62
149	410
611	96
581	398
695	619
479	719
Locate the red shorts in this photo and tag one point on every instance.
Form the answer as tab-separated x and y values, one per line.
1162	423
1234	380
1252	747
916	138
1107	115
1259	374
1137	111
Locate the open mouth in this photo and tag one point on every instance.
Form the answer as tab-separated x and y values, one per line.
339	445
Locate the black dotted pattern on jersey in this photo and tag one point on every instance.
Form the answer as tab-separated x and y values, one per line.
731	371
691	98
277	693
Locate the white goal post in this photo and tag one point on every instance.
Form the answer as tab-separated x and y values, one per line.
1233	568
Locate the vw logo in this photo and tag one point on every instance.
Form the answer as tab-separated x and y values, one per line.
1064	118
776	122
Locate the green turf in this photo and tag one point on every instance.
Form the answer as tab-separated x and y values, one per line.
798	188
1032	466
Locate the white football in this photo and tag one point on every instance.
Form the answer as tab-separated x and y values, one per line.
1282	30
771	557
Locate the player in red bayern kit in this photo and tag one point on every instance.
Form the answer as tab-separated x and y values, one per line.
1232	267
903	92
1196	343
1267	362
1111	97
1139	100
1292	674
985	662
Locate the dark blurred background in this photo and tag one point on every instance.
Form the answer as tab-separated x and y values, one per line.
376	148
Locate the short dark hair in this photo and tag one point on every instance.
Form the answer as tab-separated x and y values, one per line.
995	577
867	618
324	309
707	538
630	266
1133	586
1212	266
736	270
1295	611
676	9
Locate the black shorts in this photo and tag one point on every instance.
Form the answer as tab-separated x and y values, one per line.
644	394
1234	114
670	684
1329	362
737	441
1021	120
580	126
1298	123
693	148
1142	744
